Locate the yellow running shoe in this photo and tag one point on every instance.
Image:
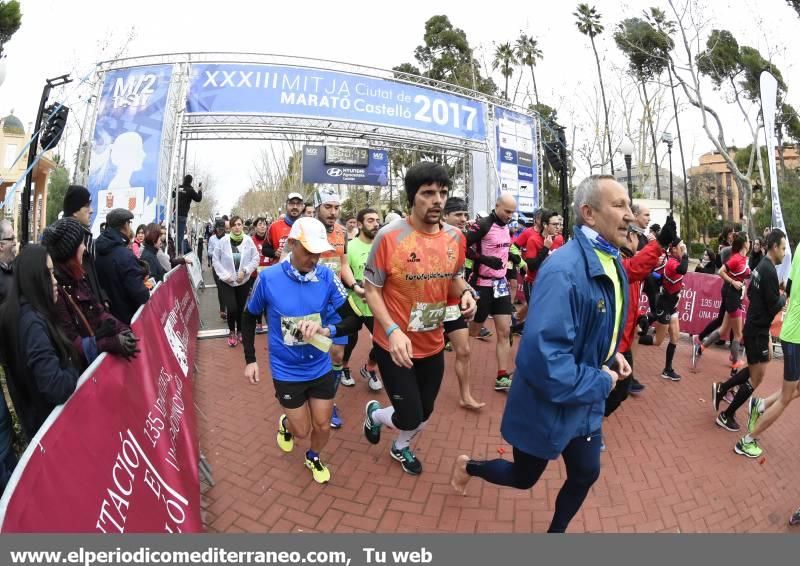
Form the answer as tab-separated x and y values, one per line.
320	472
285	438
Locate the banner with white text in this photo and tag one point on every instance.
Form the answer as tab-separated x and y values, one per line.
121	455
315	93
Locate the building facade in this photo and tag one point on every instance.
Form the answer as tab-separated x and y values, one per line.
12	141
713	179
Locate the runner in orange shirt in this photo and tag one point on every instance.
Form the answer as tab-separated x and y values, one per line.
414	266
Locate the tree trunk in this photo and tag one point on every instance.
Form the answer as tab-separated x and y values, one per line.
652	136
680	147
605	105
536	93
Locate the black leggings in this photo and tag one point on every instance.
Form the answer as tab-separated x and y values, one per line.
220	298
367	321
412	391
235	299
582	459
622	389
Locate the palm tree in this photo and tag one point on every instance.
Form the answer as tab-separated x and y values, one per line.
588	22
505	59
527	51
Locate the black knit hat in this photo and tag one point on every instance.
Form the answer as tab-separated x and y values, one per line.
76	198
62	238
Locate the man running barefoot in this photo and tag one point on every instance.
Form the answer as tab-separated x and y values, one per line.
567	361
415	266
455	327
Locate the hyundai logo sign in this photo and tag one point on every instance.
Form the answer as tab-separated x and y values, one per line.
508	155
334	172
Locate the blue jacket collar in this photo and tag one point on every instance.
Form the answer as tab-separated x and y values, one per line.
592	261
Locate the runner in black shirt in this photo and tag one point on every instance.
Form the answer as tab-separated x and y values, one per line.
766	301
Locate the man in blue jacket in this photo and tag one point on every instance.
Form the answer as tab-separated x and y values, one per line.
119	272
568	361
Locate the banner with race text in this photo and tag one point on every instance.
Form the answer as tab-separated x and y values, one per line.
700	303
121	455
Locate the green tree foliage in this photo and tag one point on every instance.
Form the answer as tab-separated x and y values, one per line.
790	206
588	21
791	121
527	51
702	215
447	56
647	49
505	59
10	20
739	67
56	189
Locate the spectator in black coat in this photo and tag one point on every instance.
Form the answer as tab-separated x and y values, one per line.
78	205
42	363
81	316
8	251
120	273
708	263
186	194
152	244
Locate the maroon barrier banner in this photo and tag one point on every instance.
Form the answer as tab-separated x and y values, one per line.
699	304
121	455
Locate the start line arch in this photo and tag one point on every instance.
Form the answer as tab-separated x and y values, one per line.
147	108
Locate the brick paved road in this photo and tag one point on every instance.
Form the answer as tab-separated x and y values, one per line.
668	468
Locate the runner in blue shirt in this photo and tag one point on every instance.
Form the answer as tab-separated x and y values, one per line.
308	303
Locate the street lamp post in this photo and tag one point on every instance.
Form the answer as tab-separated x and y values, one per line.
666	137
627	151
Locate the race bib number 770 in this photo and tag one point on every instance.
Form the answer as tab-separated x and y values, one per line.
426	316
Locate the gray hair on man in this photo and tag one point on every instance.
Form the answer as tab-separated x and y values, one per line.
636	208
587	193
6	228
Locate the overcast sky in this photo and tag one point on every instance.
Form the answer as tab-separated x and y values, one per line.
58	36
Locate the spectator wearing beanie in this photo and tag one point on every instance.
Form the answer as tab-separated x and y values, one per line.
118	270
78	205
81	316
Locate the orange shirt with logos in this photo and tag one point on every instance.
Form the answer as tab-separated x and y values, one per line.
414	270
334	259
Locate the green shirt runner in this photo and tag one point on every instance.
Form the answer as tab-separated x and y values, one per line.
790	332
357	254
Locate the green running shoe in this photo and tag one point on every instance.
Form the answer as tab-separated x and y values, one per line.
502	383
754	414
749	449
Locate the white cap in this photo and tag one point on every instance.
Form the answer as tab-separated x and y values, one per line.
326	194
312	234
294	196
391	217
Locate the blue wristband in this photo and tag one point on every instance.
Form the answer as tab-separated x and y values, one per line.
394	326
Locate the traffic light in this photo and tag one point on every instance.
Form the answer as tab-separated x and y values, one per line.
53	123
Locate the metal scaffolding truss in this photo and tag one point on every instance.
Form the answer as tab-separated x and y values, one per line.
311	63
181	127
